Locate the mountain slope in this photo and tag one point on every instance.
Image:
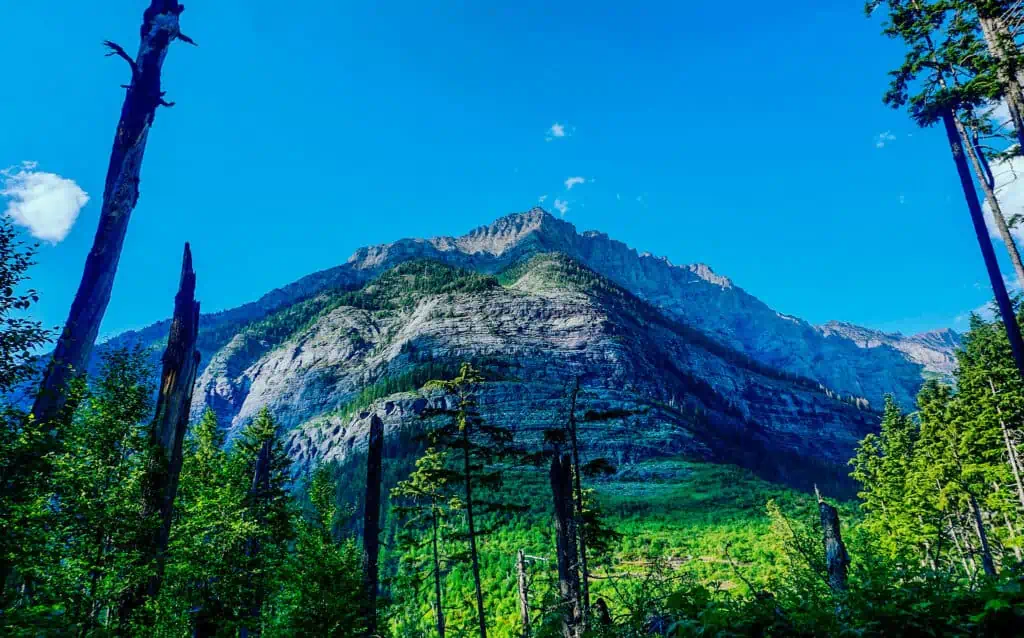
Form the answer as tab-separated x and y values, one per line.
838	358
532	329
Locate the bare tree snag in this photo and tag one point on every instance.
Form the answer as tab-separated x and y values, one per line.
524	594
371	522
565	544
167	433
120	194
837	561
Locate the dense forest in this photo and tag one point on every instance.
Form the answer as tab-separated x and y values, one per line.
119	516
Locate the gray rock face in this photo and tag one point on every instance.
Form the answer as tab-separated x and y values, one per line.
698	364
677	391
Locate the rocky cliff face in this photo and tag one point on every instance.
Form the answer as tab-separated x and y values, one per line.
697	363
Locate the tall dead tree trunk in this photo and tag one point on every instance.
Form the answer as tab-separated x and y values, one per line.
957	139
837	561
120	194
565	540
371	522
167	433
524	594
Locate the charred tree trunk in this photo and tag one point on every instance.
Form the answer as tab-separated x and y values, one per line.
565	539
167	433
371	522
954	133
259	490
837	560
524	594
987	563
120	193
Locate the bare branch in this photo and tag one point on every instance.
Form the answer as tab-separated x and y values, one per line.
118	50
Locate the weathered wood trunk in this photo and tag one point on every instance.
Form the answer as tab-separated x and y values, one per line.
565	540
1011	450
120	193
524	594
837	561
371	522
167	433
1002	48
956	137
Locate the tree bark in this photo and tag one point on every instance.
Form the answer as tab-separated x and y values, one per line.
167	433
837	560
438	599
565	544
957	139
981	173
979	527
371	522
1000	47
524	594
120	194
963	553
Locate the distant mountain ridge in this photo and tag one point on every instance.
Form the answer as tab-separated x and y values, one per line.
694	364
846	358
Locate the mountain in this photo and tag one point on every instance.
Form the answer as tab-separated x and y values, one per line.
692	362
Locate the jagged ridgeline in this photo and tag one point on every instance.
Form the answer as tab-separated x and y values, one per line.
693	364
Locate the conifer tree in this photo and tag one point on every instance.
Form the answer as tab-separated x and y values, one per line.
941	80
425	513
476	447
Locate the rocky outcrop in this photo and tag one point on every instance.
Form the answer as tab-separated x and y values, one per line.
676	390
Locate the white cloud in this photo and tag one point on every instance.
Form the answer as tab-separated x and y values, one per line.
572	181
884	138
1010	193
556	130
542	198
44	203
561	206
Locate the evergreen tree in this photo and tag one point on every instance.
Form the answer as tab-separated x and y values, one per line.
476	447
425	511
94	510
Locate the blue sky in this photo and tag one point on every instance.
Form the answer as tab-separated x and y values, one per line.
755	142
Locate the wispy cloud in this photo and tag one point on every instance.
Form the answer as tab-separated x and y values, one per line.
556	130
44	203
542	198
572	181
561	206
884	138
1009	193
